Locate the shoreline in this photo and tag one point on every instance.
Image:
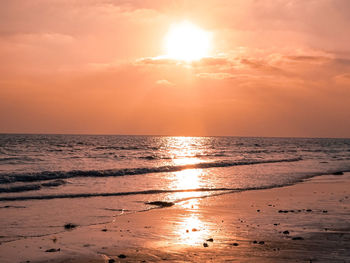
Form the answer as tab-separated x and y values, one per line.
307	221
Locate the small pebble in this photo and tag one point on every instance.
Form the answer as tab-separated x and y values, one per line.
205	245
70	226
53	250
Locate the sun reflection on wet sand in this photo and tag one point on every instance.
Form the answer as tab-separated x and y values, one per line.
191	231
190	204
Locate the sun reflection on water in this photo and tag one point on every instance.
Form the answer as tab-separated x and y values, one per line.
191	230
185	150
187	179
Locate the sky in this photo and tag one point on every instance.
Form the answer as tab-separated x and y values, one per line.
275	68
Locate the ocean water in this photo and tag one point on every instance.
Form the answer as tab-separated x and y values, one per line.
49	180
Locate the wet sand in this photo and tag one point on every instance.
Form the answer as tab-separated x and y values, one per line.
306	222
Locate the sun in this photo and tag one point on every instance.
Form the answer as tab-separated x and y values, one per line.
186	41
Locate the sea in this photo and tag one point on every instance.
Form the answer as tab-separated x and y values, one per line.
47	181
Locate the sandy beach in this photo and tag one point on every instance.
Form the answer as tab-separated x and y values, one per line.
305	222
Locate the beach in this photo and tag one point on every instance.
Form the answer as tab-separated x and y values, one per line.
174	131
304	222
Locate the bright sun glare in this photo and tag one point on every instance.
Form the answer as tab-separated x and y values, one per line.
186	41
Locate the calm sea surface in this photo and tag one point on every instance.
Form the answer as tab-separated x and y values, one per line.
49	180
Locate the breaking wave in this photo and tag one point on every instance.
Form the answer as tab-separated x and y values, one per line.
52	175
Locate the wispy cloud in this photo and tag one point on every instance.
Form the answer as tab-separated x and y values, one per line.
164	82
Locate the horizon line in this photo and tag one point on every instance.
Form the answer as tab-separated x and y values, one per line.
167	135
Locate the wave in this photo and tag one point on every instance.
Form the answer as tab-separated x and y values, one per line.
21	159
22	188
211	155
216	191
145	192
31	187
118	148
51	175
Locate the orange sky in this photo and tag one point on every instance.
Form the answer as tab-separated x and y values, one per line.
276	68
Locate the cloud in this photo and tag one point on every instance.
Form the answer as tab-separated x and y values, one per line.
343	61
215	75
342	79
252	64
158	61
265	64
201	63
212	61
309	59
164	82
